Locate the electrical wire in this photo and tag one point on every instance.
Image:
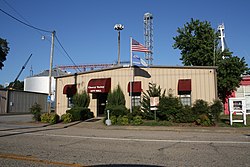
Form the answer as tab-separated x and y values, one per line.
66	53
16	11
20	21
23	18
38	29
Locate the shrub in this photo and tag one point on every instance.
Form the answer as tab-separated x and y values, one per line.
45	118
216	109
67	118
137	120
124	120
204	120
185	115
137	111
169	106
51	118
201	111
36	111
117	110
116	98
81	99
200	107
80	113
153	91
113	120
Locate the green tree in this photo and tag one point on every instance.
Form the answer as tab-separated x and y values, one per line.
81	99
153	91
229	73
116	102
197	41
116	97
4	50
18	85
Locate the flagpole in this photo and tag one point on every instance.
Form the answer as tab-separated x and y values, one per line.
131	82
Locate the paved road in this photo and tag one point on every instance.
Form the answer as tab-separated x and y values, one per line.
92	144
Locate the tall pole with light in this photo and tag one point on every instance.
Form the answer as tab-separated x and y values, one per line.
118	28
51	66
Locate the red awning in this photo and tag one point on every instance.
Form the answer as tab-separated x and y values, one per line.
69	90
101	85
184	85
136	87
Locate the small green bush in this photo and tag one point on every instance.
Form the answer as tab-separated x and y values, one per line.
137	120
200	107
36	111
76	113
81	99
113	120
80	113
117	110
116	97
185	115
216	109
137	111
204	120
45	118
124	120
51	118
169	106
67	118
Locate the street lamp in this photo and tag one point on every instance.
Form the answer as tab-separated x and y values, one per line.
118	28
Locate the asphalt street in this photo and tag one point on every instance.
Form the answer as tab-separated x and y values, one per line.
26	143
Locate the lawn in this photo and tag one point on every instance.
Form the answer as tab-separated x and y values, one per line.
224	122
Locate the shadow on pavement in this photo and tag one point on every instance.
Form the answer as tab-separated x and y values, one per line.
125	165
40	130
31	127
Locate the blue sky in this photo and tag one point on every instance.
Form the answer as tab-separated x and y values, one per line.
85	29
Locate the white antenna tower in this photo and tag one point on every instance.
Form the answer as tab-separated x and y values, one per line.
148	36
31	71
221	28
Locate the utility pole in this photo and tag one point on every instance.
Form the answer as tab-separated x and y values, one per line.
50	69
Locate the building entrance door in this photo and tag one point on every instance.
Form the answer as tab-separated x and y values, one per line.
101	104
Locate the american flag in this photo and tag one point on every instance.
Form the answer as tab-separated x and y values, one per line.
137	47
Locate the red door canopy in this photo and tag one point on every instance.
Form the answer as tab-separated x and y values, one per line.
101	85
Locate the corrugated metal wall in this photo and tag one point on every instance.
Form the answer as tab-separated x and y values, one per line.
204	82
12	101
3	101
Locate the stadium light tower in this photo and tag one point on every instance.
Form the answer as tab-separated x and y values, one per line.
148	36
118	28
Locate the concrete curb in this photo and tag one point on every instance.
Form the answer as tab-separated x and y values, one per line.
100	125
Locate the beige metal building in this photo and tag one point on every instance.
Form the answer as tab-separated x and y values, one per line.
187	82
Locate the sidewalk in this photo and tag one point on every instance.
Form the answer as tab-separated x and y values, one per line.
98	124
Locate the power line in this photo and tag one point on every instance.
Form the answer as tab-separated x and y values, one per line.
66	53
16	11
33	27
20	21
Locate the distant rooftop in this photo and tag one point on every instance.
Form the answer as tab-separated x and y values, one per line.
56	72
